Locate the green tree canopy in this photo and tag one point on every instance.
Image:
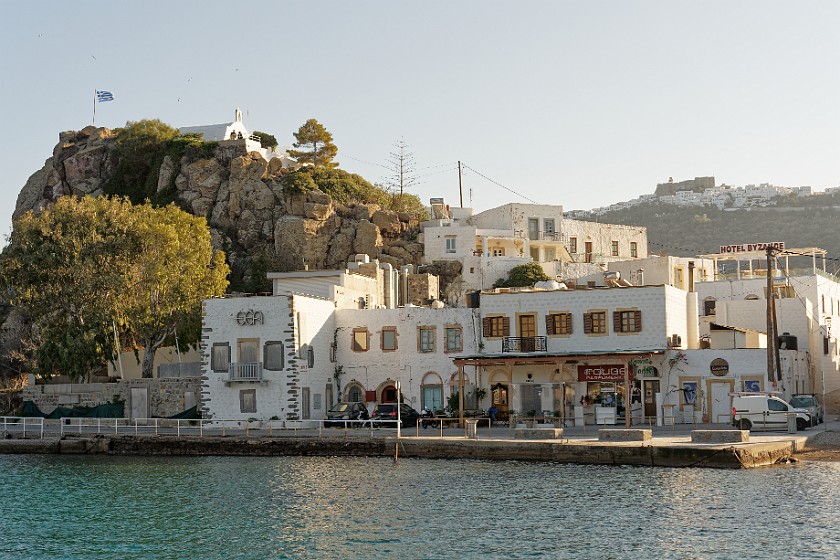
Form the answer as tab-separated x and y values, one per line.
522	276
315	145
87	265
266	140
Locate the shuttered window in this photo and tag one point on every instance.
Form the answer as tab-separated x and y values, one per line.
273	356
558	323
220	356
595	322
496	326
627	321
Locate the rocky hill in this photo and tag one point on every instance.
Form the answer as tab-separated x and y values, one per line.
263	221
694	230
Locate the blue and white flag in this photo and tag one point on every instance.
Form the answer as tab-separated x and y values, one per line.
103	96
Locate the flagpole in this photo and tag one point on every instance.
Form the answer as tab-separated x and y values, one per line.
94	106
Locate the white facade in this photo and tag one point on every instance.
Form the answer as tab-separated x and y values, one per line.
377	348
655	270
295	383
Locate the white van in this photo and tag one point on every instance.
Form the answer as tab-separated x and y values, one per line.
764	411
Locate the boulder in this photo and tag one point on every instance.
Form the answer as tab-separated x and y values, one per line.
368	240
387	221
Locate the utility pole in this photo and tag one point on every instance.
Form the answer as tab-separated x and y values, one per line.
771	308
460	187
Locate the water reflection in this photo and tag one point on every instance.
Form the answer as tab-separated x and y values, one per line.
282	507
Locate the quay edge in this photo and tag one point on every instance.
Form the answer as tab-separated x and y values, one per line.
728	456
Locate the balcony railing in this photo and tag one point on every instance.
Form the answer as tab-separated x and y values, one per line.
524	344
245	371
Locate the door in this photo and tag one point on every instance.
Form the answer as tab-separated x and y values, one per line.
776	413
548	228
650	390
139	405
247	350
433	397
533	228
721	402
527	333
588	251
305	405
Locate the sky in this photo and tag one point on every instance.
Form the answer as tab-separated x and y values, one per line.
580	104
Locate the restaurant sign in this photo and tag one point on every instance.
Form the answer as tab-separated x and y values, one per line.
719	367
607	372
750	247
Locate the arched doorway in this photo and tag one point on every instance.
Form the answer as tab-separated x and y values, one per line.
354	392
431	392
387	392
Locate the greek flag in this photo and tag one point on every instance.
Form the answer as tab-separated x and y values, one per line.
103	96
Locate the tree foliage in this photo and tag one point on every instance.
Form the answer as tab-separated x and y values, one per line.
315	145
87	265
141	147
266	140
522	276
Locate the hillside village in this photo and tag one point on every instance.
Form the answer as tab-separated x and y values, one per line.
614	334
702	191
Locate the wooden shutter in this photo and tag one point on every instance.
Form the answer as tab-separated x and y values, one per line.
616	321
505	326
638	321
567	323
549	325
486	326
587	323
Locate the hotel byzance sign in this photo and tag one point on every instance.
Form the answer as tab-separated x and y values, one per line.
752	247
606	372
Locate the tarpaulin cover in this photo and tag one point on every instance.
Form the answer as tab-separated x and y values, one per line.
110	410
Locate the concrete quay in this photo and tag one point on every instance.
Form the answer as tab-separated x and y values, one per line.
670	446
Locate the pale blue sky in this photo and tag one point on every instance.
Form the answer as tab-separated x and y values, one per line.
575	103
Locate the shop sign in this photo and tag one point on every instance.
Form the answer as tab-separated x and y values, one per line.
606	372
750	247
719	367
249	317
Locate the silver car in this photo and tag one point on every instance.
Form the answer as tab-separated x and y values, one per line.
811	404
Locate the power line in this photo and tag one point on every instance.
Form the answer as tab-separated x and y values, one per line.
498	184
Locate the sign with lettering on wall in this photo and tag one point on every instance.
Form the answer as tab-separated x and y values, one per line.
249	317
605	372
719	367
749	247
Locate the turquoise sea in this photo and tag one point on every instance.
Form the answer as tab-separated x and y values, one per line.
98	507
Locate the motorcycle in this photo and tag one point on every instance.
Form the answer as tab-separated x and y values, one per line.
426	413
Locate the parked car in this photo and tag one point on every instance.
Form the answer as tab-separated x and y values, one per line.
811	404
760	411
346	411
388	411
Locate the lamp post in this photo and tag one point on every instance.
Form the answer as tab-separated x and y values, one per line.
399	408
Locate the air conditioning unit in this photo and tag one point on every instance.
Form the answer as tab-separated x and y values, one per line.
674	341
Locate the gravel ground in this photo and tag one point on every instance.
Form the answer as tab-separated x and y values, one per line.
824	446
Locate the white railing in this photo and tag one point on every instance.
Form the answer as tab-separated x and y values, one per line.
22	423
245	371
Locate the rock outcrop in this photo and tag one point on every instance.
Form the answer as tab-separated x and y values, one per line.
242	197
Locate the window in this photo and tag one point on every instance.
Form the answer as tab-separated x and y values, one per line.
453	339
587	246
273	356
595	322
614	248
426	339
573	245
634	249
627	321
558	323
709	306
499	252
548	226
310	356
678	277
389	339
361	338
220	357
496	326
248	401
450	243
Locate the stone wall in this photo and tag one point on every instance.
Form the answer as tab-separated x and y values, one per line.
167	397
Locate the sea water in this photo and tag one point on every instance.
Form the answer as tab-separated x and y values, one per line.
102	507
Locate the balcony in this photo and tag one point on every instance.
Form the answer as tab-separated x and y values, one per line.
524	344
245	371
